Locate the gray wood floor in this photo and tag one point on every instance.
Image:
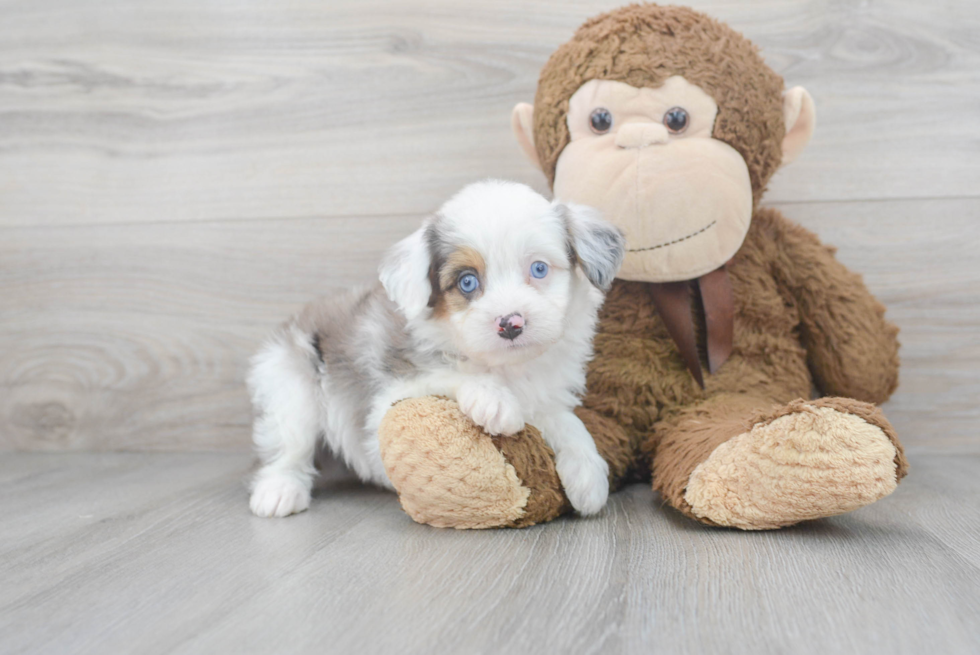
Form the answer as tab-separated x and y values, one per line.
157	553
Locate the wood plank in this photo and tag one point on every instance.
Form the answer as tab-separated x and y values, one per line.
178	112
137	336
157	553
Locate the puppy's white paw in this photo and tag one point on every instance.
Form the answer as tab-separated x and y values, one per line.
585	477
279	496
492	407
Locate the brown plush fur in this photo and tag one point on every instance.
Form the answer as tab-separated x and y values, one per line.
534	462
789	336
642	45
866	411
802	320
449	473
805	460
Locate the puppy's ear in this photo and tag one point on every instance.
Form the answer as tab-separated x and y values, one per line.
597	246
404	273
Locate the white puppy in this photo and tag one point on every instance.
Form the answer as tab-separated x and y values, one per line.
492	302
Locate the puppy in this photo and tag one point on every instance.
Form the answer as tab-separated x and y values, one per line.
492	302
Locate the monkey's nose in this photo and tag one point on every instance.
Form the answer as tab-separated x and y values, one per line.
640	135
508	327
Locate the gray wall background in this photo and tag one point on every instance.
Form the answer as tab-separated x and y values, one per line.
176	178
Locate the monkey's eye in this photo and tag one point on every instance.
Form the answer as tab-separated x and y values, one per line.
539	270
600	120
675	120
468	283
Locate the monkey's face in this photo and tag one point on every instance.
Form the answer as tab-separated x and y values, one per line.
647	160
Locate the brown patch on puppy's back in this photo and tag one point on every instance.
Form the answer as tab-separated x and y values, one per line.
446	297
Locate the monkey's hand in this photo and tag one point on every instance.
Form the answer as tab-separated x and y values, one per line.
851	349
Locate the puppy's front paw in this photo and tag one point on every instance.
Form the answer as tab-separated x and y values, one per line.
493	408
585	477
279	496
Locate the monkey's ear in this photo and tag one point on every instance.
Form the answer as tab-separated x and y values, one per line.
404	273
597	246
522	123
800	117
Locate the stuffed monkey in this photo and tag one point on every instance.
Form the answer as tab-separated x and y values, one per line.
724	317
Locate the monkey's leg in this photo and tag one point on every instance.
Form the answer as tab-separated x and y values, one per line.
449	473
743	462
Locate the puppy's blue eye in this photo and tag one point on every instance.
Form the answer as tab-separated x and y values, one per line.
468	283
539	269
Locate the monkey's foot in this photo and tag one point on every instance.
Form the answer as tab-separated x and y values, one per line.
807	460
450	474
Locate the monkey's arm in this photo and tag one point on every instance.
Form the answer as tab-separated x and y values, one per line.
852	350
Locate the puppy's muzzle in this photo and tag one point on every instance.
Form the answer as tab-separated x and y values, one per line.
508	327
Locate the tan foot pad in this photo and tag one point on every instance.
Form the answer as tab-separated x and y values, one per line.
811	463
447	472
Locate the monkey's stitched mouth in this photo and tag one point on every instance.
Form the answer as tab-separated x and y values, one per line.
670	243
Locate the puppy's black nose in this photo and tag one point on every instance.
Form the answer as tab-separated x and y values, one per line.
508	327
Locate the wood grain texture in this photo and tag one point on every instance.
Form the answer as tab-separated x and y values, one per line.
157	553
138	336
177	178
182	111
